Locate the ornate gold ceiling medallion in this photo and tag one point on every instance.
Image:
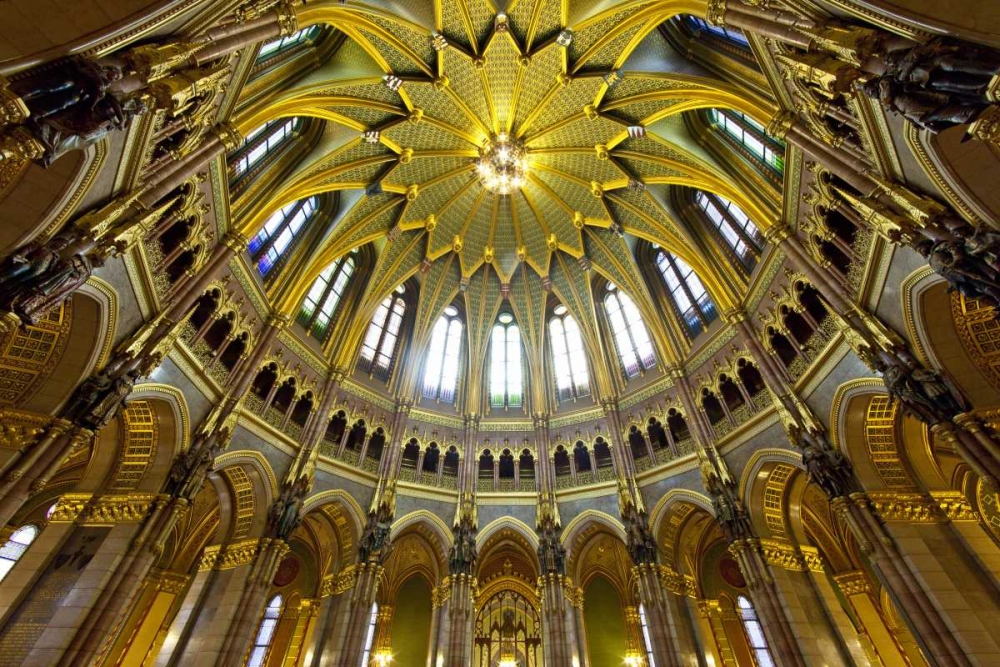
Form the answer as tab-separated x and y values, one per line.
503	164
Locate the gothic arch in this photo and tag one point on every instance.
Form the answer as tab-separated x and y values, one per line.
509	523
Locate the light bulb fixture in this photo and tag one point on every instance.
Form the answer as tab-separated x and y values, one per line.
507	660
382	659
503	164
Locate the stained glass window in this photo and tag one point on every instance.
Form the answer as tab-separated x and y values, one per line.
288	42
736	228
278	233
15	547
743	131
569	358
443	357
265	633
260	143
379	346
731	35
321	302
689	295
635	349
754	631
506	387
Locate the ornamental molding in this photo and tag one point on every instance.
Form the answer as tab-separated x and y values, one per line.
592	414
783	555
853	583
328	585
345	580
677	583
705	353
653	389
172	582
369	396
108	509
69	507
238	269
209	557
436	419
240	553
291	341
937	507
509	426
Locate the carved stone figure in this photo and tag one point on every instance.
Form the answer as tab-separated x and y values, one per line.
551	553
32	261
639	540
943	65
190	468
923	392
827	468
98	398
463	554
374	544
972	274
77	81
930	109
73	130
286	512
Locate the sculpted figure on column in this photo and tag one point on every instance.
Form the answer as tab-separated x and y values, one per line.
924	393
285	513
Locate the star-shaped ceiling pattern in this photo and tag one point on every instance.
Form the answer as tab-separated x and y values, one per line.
588	125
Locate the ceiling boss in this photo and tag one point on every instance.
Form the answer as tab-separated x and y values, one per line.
503	164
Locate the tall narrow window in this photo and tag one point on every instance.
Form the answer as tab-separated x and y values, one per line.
506	390
645	637
288	42
755	632
265	633
370	637
277	234
260	143
382	337
569	359
441	372
15	547
744	132
689	295
732	35
635	349
321	302
736	228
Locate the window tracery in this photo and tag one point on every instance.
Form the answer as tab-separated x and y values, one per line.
506	382
279	232
378	349
16	545
733	36
735	227
320	304
266	140
443	356
287	43
635	349
688	295
265	633
754	632
743	133
569	359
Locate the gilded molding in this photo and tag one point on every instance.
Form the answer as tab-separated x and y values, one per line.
853	583
920	508
367	395
784	555
437	419
345	580
69	507
209	557
592	414
113	509
652	390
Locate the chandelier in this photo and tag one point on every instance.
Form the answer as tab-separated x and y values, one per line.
503	164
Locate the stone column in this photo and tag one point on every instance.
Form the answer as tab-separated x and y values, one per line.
559	643
461	616
327	647
353	624
671	636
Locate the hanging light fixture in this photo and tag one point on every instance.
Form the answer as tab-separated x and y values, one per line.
503	164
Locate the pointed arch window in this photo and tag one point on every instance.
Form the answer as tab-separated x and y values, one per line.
569	359
320	304
370	636
15	547
379	346
264	141
743	132
736	228
734	36
443	357
635	349
754	631
265	632
287	43
278	233
688	294
506	383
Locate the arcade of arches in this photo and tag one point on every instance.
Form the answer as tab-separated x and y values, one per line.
504	333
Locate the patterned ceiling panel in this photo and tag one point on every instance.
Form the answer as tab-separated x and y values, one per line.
593	34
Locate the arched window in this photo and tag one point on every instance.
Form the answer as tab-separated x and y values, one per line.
277	234
754	631
506	387
645	637
687	292
635	350
288	42
568	357
15	547
260	143
732	35
742	131
370	637
379	346
321	302
736	228
441	373
265	632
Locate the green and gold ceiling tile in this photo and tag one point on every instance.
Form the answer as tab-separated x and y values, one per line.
503	72
575	194
532	234
438	289
362	174
539	80
426	135
642	83
612	52
568	101
423	168
476	234
370	218
558	218
375	91
536	20
528	301
482	302
645	167
398	261
640	111
368	116
355	151
437	103
579	162
578	132
415	38
398	61
465	84
609	252
591	37
481	16
572	285
505	242
432	198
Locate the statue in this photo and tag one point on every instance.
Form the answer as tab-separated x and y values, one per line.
970	273
923	392
375	542
929	109
463	554
72	130
551	553
97	400
827	467
190	468
639	540
32	261
285	513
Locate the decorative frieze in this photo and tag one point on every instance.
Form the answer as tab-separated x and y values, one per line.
436	419
653	390
783	555
345	580
123	508
576	418
852	583
675	582
370	397
922	508
209	557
